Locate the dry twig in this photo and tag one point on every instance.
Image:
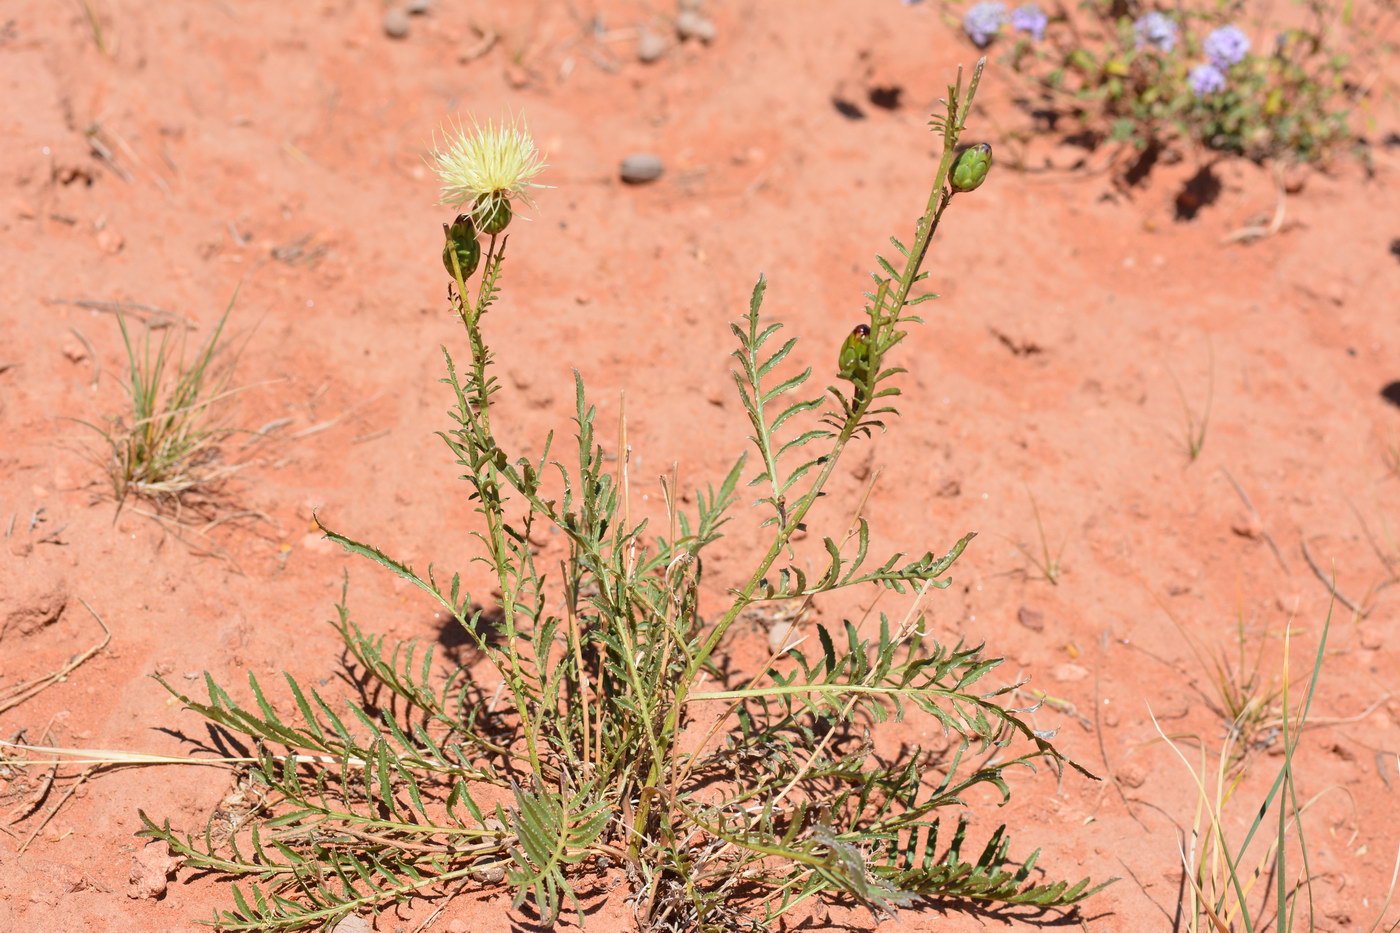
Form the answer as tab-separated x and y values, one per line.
1331	586
143	313
1257	517
1253	232
53	812
33	688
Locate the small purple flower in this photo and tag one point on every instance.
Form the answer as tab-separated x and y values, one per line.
983	21
1030	18
1206	79
1226	46
1157	30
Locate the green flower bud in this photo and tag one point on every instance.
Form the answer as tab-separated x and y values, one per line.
461	242
971	167
492	212
854	361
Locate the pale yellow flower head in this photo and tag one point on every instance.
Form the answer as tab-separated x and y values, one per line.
482	167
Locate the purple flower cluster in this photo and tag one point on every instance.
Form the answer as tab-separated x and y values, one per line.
1156	30
983	21
1030	18
1206	79
1226	47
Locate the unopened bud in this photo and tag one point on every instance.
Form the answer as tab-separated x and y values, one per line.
971	167
854	361
492	212
461	252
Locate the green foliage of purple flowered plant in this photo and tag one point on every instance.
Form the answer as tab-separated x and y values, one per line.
1159	78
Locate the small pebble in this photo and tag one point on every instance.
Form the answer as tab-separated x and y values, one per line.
151	868
691	25
1246	525
110	241
1031	619
418	7
1133	774
781	636
396	23
689	6
74	350
493	875
354	924
650	46
641	167
1068	673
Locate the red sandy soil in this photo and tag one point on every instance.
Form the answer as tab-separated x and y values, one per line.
1047	369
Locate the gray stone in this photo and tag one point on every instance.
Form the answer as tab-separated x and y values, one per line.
641	167
396	23
691	25
650	46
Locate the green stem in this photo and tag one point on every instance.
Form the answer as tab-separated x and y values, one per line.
939	197
491	503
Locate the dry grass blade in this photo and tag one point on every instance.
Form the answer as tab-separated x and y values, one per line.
94	22
117	756
1389	894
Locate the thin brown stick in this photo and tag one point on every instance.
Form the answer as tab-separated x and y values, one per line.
92	355
317	428
33	688
25	810
488	42
372	436
1098	733
425	848
1387	561
446	902
1331	586
1257	517
172	526
164	317
82	779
